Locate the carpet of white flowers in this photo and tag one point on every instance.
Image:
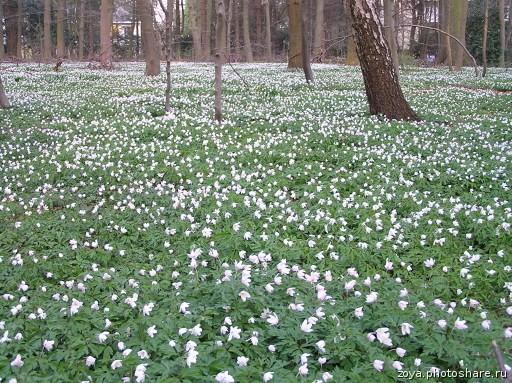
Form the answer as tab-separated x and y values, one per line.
299	241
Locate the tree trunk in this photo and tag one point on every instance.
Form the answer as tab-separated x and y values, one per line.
295	34
318	44
1	29
351	58
484	39
150	40
106	33
19	34
458	17
389	23
195	28
11	27
4	101
236	20
246	31
383	90
47	32
268	30
306	51
177	30
503	37
229	18
81	29
168	53
61	9
220	46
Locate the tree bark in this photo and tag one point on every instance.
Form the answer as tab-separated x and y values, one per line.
318	44
484	39
220	52
4	101
195	28
19	34
306	51
11	27
1	29
150	40
389	22
503	36
229	18
382	86
61	9
47	42
458	17
81	29
295	34
106	33
268	30
236	20
168	51
246	31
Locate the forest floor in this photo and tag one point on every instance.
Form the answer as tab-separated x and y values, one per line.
300	240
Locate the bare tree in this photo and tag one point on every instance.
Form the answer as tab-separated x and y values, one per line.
383	90
4	101
19	34
150	39
318	43
61	15
168	50
295	34
246	31
484	39
503	36
194	26
220	52
81	28
106	33
306	51
389	22
47	33
268	31
1	29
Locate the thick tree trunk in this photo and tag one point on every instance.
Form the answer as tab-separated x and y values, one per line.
246	31
195	28
177	30
383	90
11	27
150	38
19	34
106	33
81	29
4	101
484	39
1	29
503	36
268	30
459	14
47	30
389	23
318	43
295	34
229	18
220	47
61	10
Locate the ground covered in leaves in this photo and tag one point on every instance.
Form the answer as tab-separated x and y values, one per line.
299	241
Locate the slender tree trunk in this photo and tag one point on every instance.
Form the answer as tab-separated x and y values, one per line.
247	31
177	30
220	45
61	9
168	53
484	39
318	44
150	39
208	30
47	42
295	34
4	101
19	35
81	29
106	33
503	36
268	30
306	51
382	86
389	22
237	28
1	29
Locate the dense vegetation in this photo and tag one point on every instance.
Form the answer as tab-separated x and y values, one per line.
301	237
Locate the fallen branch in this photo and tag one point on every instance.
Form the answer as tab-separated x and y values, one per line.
236	72
507	378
